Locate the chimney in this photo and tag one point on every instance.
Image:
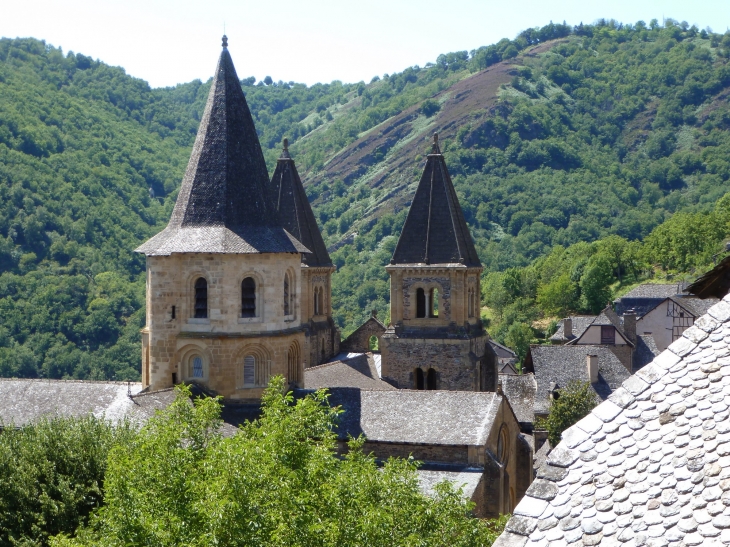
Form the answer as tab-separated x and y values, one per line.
568	328
592	366
630	325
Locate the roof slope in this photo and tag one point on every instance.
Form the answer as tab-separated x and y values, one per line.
557	366
435	231
520	390
715	283
649	466
224	204
579	325
360	372
405	416
295	211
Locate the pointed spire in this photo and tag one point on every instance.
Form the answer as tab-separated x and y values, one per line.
295	211
224	204
435	231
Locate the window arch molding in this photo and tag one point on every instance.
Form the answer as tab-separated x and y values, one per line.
293	359
186	360
253	366
289	294
190	300
259	302
428	289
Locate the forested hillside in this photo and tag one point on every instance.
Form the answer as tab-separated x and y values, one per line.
561	136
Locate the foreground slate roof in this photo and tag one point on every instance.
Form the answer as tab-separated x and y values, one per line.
295	211
25	401
556	366
409	416
649	466
225	204
435	231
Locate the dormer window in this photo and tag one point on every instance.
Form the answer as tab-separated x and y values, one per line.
201	298
248	297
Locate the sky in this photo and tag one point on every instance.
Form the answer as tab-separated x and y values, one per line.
167	42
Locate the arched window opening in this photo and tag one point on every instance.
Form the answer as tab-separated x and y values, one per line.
373	343
419	378
471	302
197	367
431	379
323	348
249	370
420	303
503	445
293	364
248	297
201	298
321	301
287	304
434	303
316	300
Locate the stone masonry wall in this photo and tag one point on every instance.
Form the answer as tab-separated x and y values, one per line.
359	340
425	453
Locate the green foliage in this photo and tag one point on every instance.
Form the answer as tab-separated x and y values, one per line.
573	403
277	482
518	337
51	476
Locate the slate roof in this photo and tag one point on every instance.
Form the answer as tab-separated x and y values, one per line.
696	306
715	283
435	231
502	351
520	391
360	372
224	204
649	466
408	416
646	297
646	351
580	324
295	211
24	401
466	477
557	366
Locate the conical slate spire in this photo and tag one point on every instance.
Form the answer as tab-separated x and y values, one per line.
295	211
435	231
224	204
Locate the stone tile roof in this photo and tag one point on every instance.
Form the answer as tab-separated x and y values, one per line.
580	324
696	306
715	283
645	352
466	477
644	298
502	351
360	372
225	204
295	211
435	231
406	416
520	391
25	401
557	366
650	466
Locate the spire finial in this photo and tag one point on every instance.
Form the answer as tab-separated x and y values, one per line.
286	144
225	41
435	149
436	139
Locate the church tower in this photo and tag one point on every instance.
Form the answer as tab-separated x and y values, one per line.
224	276
436	339
322	335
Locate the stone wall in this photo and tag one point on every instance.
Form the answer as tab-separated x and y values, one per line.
456	361
173	337
421	452
359	341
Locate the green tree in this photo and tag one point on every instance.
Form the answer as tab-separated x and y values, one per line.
595	283
559	297
519	336
278	481
572	403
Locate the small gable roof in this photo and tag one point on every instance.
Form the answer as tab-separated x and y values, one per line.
579	324
649	465
360	372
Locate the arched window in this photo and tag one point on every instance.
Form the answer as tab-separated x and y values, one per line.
248	297
316	300
503	445
201	298
471	302
418	373
197	371
323	348
293	364
434	304
420	303
373	344
249	370
321	301
431	379
287	304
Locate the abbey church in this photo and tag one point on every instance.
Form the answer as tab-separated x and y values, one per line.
239	289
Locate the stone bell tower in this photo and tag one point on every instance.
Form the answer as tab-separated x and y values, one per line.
224	276
322	335
436	339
